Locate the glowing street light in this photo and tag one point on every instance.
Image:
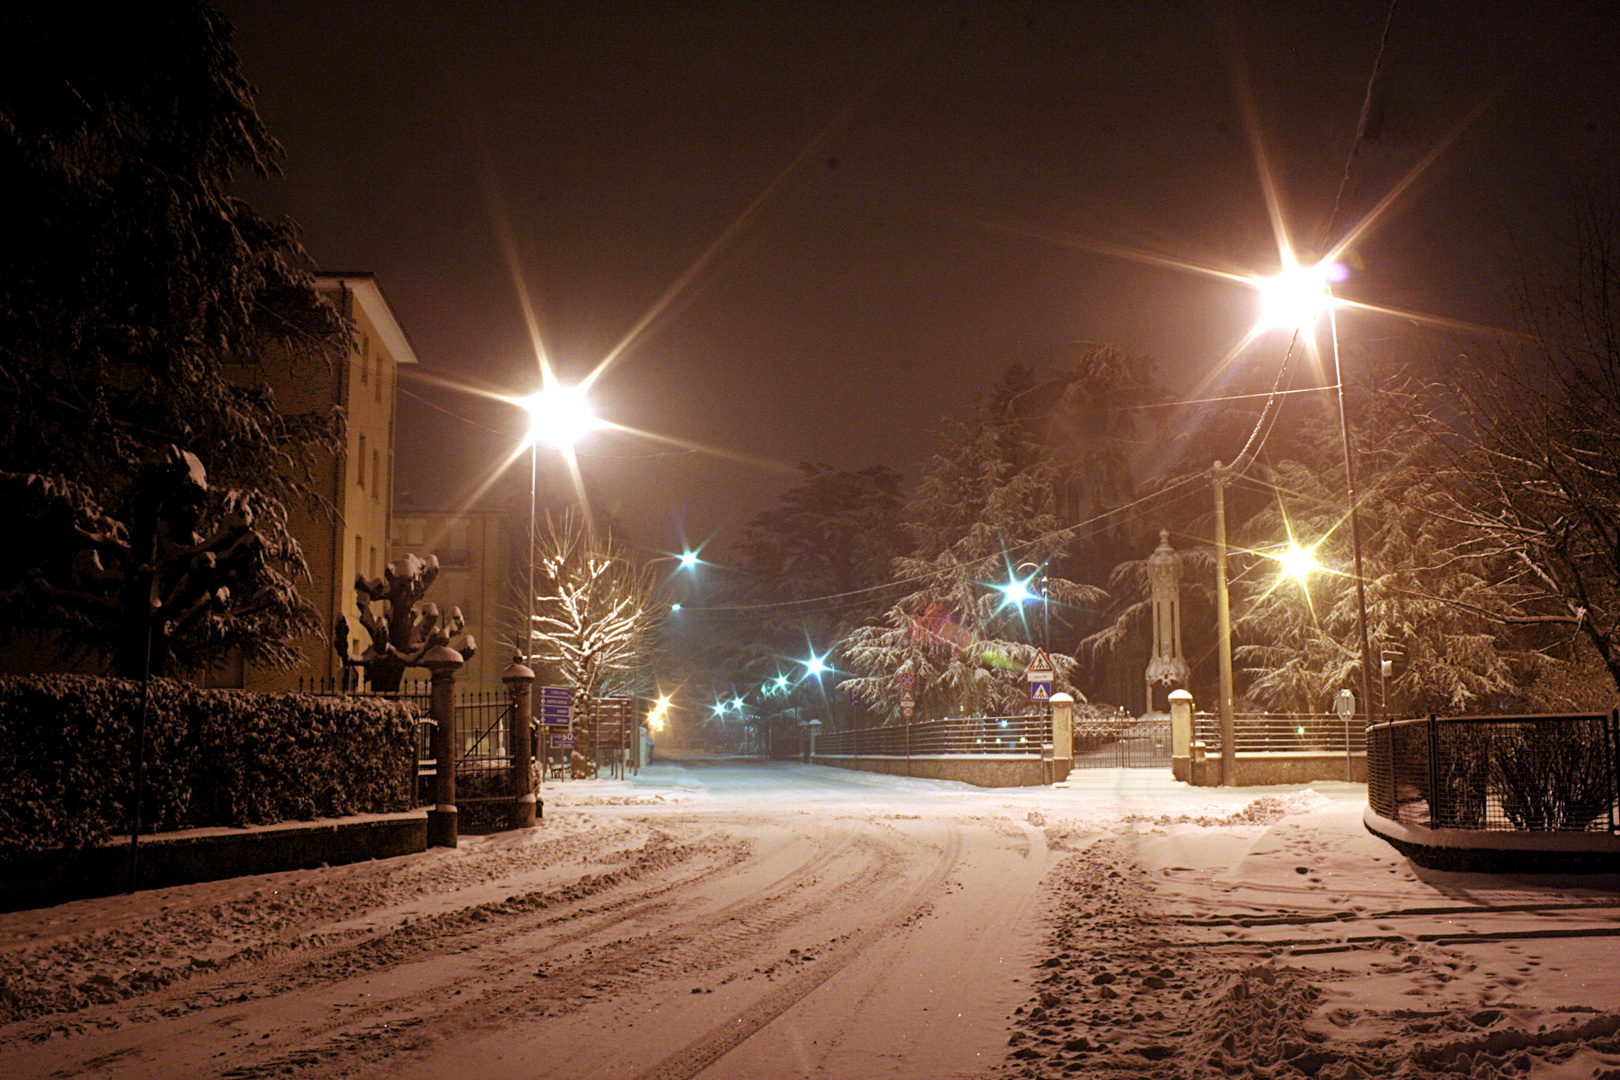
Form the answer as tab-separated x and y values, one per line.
1016	592
816	666
1299	563
689	560
559	416
1297	296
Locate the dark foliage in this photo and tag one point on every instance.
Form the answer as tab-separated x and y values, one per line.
133	278
213	757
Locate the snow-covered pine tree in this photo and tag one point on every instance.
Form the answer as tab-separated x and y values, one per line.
985	508
132	277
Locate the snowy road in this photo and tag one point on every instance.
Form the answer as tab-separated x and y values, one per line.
740	920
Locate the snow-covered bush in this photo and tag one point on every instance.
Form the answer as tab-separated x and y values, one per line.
1552	774
213	757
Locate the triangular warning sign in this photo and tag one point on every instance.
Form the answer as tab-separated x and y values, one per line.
1038	692
1042	662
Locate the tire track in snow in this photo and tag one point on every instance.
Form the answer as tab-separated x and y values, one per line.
374	1033
706	1049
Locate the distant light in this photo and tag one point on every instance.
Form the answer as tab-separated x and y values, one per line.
689	560
675	606
737	703
559	416
719	708
816	665
1016	592
1299	563
1297	297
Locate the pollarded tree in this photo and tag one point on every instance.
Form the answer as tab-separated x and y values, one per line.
192	572
132	277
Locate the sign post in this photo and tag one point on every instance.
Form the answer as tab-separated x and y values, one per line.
1345	706
557	720
1040	676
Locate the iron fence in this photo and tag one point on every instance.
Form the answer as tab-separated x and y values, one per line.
1003	736
481	739
1283	733
1519	773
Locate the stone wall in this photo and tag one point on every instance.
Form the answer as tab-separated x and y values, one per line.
979	770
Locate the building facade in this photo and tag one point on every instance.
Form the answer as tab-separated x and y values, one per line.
358	485
475	565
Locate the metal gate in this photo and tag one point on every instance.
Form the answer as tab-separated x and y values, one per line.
483	745
1122	743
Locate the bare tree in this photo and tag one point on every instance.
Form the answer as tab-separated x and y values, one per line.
596	611
1535	434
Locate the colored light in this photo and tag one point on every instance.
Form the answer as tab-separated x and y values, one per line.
1016	592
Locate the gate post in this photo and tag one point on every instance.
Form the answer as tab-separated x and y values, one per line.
443	662
1181	710
1062	736
519	680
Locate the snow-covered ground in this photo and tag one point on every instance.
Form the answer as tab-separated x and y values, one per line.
738	919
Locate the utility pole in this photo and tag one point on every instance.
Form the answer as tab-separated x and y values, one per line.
1223	612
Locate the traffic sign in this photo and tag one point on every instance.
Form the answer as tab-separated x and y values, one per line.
906	700
1040	668
907	680
1040	691
905	711
562	742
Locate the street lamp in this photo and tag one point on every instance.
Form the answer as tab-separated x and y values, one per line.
1295	299
559	416
1016	592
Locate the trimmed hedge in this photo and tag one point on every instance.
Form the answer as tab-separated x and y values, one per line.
213	757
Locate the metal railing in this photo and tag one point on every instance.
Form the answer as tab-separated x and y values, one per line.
1283	733
1004	736
1509	773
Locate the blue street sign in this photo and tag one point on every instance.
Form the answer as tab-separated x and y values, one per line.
555	693
1040	691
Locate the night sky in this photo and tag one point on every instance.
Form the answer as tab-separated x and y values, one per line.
950	184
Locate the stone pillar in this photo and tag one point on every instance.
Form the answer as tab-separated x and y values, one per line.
519	680
443	662
1167	667
1181	711
1062	736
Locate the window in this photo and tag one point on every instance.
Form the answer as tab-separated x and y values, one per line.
376	466
360	464
365	359
373	562
359	549
377	396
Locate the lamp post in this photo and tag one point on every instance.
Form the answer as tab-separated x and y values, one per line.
1296	299
1355	519
559	416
